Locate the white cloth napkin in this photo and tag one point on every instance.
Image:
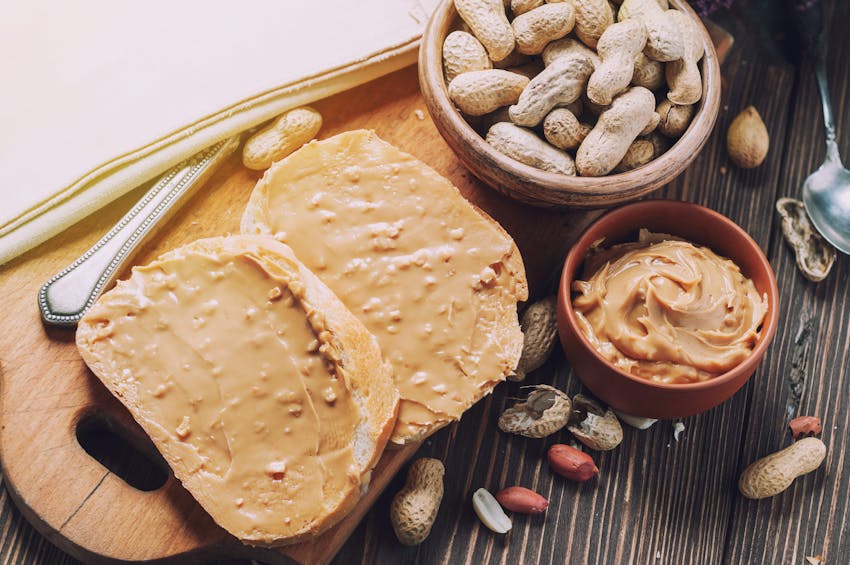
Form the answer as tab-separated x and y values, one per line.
99	96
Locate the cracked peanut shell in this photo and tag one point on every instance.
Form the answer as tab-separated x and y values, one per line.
815	256
545	411
597	428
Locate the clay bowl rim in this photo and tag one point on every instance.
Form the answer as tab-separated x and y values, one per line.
547	189
769	326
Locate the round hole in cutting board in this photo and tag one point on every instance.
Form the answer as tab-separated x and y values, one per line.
104	441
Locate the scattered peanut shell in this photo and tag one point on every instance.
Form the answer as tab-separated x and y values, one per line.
596	428
774	473
539	326
489	512
414	508
544	412
805	425
522	500
637	422
815	255
288	132
747	140
678	428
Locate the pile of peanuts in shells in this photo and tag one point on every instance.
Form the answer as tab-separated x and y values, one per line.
581	87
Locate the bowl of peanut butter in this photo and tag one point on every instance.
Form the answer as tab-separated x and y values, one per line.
666	308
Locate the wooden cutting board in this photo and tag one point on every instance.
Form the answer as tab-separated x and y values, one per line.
47	390
48	396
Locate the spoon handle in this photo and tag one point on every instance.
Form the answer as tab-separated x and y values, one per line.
65	297
809	17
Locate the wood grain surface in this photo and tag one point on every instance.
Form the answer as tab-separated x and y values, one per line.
656	500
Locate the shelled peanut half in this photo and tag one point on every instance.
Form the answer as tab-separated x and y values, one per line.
575	87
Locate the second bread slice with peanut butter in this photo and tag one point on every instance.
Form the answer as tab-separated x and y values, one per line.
435	279
268	399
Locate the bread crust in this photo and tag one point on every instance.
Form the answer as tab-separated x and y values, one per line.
359	364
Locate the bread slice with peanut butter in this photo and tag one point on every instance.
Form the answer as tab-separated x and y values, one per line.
434	278
267	397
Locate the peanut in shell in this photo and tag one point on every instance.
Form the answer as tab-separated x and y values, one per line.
546	411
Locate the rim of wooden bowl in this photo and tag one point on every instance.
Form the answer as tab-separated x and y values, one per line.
546	189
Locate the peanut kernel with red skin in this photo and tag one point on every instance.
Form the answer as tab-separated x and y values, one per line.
804	426
522	500
572	463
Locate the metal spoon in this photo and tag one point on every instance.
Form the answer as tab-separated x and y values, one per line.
64	299
826	192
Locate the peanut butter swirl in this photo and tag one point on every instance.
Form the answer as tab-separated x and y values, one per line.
667	310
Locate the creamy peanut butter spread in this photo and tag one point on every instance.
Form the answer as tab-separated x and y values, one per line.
667	310
430	276
235	380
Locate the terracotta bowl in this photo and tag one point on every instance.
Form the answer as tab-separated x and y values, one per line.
546	189
635	395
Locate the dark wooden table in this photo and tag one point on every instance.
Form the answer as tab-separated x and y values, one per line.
658	500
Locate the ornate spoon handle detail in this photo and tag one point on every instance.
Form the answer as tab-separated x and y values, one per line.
67	295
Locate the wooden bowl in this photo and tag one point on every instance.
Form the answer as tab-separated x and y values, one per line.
546	189
636	395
